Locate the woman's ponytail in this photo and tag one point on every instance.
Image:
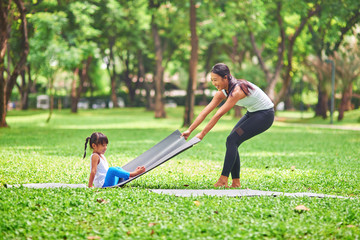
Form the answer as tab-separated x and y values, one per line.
86	142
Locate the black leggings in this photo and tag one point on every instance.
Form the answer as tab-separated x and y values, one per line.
250	125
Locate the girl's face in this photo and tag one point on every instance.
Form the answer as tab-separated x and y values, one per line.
219	82
100	148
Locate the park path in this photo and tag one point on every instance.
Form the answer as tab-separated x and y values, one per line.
341	127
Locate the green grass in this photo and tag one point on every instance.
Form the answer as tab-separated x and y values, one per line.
31	151
352	118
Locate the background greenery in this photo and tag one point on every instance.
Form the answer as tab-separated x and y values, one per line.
326	161
113	41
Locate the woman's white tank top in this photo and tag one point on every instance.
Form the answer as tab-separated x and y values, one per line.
101	171
257	100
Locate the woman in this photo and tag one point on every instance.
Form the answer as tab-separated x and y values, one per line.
259	117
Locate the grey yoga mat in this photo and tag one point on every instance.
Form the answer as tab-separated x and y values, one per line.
235	193
168	148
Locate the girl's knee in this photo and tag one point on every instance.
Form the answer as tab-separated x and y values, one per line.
112	170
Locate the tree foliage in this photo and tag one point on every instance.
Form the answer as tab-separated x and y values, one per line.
137	44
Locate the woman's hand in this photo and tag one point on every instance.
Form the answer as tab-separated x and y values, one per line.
200	135
186	134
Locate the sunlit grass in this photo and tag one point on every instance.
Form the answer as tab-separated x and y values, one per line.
286	158
35	152
352	118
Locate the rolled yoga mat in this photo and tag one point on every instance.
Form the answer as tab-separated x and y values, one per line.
166	149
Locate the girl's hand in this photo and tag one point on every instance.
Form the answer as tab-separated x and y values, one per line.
186	134
200	136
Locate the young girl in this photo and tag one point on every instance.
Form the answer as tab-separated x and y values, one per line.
100	173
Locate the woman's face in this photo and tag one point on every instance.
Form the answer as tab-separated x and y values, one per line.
219	82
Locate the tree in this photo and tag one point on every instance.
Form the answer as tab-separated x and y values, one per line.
190	96
347	65
311	11
50	53
168	36
124	27
76	89
328	30
110	23
133	46
304	11
79	36
159	72
6	20
25	87
322	71
272	74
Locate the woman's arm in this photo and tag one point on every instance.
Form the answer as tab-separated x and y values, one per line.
237	94
94	162
219	96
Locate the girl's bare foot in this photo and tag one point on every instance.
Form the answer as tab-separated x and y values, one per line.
137	171
236	183
140	169
222	182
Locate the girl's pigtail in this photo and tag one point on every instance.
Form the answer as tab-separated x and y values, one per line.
86	142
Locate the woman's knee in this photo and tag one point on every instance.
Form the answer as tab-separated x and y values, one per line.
231	140
234	139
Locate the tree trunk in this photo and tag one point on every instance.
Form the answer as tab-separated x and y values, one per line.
236	56
112	73
129	81
3	47
113	91
345	101
2	104
24	91
322	104
29	86
237	111
190	97
77	90
51	108
32	87
74	100
150	106
142	75
6	87
25	44
270	89
288	102
288	77
158	78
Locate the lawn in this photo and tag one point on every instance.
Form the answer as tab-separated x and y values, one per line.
286	158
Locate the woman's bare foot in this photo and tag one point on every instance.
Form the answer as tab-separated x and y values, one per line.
236	183
137	171
222	182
